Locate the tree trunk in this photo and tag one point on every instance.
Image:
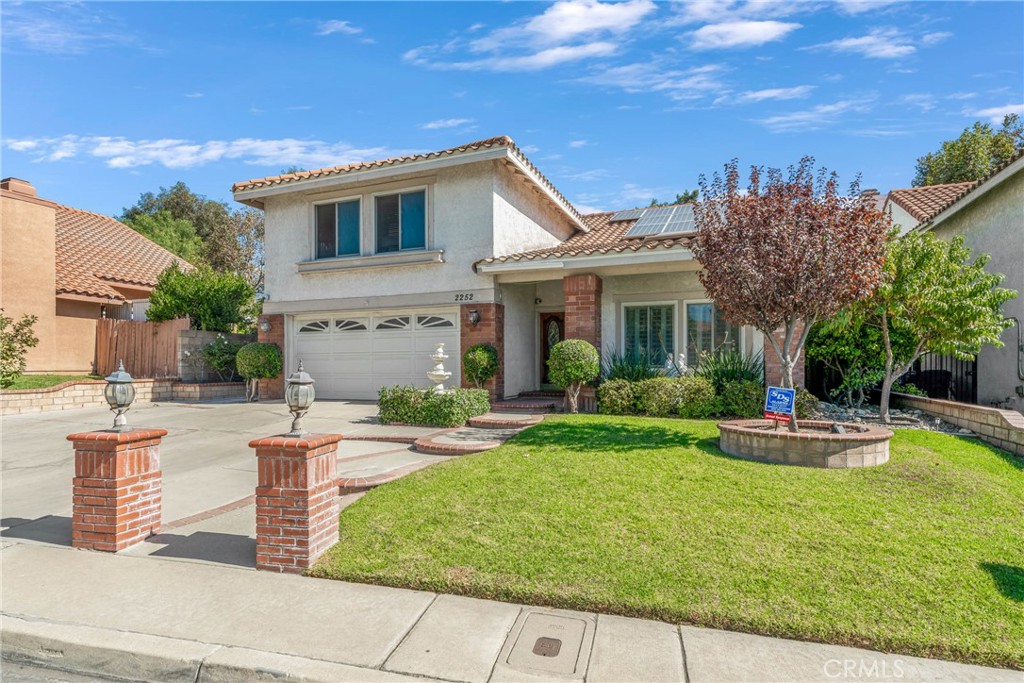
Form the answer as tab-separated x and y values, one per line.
883	403
572	393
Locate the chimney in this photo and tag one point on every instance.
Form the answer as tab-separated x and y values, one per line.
18	186
870	192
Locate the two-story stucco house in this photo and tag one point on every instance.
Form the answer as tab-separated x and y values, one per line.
369	266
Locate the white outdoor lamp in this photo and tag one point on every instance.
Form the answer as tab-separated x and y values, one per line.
299	396
120	392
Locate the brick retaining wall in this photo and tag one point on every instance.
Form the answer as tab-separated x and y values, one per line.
1002	428
89	394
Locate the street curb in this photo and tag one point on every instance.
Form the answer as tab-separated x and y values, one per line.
88	650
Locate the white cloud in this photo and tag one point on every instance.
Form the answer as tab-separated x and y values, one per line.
529	149
794	93
641	77
62	28
194	95
879	43
121	152
445	123
577	144
996	114
587	176
861	6
331	26
716	11
930	39
739	34
815	118
567	31
923	102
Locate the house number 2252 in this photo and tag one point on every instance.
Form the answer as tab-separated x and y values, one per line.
463	297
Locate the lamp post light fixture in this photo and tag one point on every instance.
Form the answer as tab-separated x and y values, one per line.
299	396
120	392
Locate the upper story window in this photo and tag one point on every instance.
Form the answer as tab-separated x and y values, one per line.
401	221
337	229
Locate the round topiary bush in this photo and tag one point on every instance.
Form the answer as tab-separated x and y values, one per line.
573	363
256	361
480	363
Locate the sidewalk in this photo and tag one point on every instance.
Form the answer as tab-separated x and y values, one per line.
144	618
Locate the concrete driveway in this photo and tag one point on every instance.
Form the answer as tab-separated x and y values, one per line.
205	457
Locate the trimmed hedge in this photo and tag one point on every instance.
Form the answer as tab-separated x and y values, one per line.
415	406
616	397
697	397
688	396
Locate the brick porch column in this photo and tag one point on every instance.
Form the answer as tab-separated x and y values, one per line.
583	321
116	489
490	330
772	367
272	389
297	501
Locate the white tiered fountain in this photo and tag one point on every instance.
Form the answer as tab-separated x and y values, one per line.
439	375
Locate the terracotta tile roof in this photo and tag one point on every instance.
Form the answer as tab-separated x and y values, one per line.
94	251
604	237
490	143
923	203
975	185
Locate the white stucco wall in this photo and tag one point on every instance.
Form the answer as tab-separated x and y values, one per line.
522	364
462	207
994	224
523	219
901	218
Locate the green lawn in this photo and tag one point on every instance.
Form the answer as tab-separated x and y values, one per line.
643	517
43	381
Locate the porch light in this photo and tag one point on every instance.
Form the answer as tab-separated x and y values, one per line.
299	396
265	326
120	392
474	317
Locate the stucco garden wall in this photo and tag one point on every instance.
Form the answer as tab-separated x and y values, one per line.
994	224
71	395
192	366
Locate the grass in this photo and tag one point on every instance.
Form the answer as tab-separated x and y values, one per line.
642	517
44	381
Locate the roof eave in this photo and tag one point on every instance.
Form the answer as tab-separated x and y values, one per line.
518	161
656	255
973	194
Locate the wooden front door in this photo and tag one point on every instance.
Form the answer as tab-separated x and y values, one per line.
552	331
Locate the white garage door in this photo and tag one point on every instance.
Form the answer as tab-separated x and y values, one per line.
351	356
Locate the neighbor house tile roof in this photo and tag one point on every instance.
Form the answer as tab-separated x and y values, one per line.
604	237
490	143
94	252
924	203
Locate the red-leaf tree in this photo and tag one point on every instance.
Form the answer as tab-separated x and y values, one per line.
787	252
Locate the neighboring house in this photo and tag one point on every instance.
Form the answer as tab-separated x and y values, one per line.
990	215
370	266
70	267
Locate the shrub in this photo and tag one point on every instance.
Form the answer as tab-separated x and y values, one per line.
697	397
616	397
806	404
573	363
629	366
15	340
480	363
210	300
220	356
729	365
908	388
256	361
412	405
658	396
742	399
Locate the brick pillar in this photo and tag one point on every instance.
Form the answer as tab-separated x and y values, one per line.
116	489
583	321
297	501
272	389
772	366
490	330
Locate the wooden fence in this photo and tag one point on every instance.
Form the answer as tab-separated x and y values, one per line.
148	349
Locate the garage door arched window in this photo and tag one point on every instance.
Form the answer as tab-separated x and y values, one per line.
315	327
396	323
349	325
426	321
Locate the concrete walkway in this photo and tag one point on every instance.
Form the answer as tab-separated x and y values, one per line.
149	619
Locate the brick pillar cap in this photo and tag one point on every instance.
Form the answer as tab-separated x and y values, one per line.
119	437
296	443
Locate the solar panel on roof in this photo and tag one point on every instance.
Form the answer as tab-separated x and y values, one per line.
664	220
628	215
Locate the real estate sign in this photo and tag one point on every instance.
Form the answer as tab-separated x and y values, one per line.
779	404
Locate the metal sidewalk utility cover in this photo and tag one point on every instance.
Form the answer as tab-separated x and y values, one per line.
548	643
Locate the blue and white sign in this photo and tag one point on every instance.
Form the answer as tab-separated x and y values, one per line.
779	404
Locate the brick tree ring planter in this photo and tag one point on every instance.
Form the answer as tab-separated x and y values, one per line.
814	446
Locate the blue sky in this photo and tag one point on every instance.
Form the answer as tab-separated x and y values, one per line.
615	102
